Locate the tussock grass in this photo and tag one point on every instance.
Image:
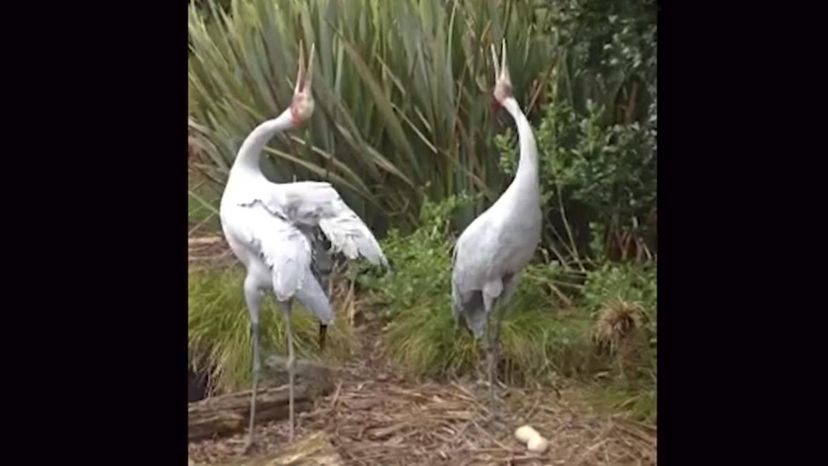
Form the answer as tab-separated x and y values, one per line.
638	403
219	329
536	341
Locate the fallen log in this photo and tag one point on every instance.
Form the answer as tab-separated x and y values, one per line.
230	413
204	240
315	373
314	450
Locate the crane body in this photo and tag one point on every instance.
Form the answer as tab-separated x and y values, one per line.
272	228
494	249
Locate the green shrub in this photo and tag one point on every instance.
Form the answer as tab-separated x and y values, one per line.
421	261
597	135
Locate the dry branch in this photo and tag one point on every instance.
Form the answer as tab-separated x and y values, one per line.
204	240
225	414
313	372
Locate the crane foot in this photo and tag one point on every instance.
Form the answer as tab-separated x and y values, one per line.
248	446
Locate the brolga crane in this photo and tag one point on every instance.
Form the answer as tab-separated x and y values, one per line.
271	229
493	250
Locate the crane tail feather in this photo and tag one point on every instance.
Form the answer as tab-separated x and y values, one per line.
323	331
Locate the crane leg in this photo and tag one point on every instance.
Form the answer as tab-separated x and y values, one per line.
499	313
253	298
490	361
290	366
490	367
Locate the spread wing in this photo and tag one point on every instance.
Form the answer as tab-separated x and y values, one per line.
312	204
280	245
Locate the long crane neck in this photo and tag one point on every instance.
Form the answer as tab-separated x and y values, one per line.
527	172
249	155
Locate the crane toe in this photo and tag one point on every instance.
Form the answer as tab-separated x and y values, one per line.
248	446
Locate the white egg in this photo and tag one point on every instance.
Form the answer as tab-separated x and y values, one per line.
538	444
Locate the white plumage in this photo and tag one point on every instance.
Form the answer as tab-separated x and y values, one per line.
270	228
495	248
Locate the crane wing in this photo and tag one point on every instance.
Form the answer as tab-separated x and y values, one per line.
282	247
316	203
313	297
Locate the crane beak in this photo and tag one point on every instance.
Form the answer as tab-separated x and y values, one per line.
304	76
309	77
302	106
494	62
504	69
300	74
503	82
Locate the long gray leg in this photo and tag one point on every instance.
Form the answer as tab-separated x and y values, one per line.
290	365
509	286
499	310
489	304
253	297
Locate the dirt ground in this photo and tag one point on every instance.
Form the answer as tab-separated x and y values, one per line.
377	417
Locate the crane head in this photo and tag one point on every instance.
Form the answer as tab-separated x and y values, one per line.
503	83
302	106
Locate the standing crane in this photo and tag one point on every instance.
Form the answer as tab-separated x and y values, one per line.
271	229
493	250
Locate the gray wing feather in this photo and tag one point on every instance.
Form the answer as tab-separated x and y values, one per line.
466	304
315	203
281	246
314	298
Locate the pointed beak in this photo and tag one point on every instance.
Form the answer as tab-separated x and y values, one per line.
309	71
494	62
503	82
304	76
303	105
504	68
300	74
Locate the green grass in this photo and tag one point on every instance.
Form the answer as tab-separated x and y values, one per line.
202	203
535	342
219	329
541	342
539	337
638	403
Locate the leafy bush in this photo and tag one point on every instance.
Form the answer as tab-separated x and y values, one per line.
622	281
219	329
421	260
597	136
